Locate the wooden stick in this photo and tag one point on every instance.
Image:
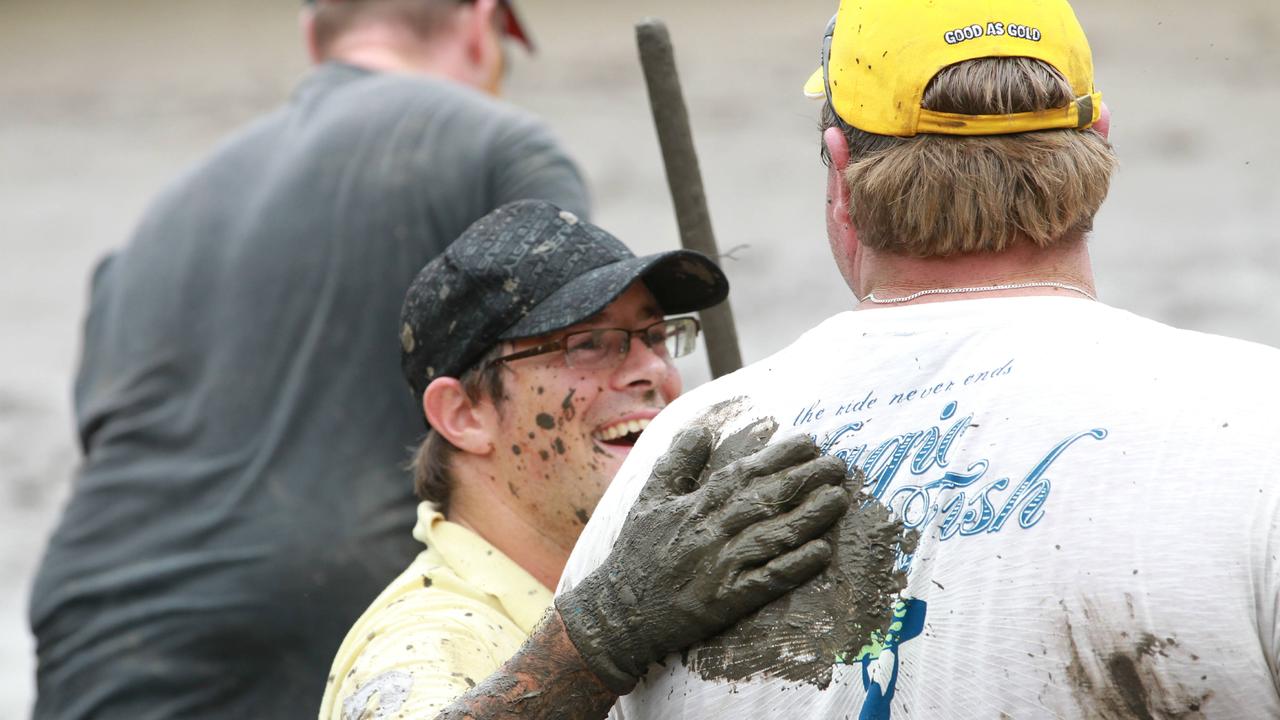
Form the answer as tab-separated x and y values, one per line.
684	177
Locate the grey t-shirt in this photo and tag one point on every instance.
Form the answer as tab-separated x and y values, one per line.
240	404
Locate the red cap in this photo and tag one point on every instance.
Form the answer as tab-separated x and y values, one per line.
513	27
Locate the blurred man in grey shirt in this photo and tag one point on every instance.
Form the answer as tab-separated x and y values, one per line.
239	404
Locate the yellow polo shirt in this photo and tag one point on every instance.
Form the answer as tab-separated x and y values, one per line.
459	611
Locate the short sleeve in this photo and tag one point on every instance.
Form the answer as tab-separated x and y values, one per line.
530	164
97	337
417	654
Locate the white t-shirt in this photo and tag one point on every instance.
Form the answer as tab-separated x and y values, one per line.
1102	542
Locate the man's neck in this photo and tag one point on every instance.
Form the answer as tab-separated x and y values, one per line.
391	49
385	59
1063	271
476	505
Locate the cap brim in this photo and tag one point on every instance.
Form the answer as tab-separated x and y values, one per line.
514	28
815	88
681	281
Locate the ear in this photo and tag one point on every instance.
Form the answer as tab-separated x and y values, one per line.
838	151
307	23
839	217
841	233
1103	126
470	427
479	27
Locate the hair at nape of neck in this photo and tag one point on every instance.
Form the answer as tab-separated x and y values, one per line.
423	18
937	196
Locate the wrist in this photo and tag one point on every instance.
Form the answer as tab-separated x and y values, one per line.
588	629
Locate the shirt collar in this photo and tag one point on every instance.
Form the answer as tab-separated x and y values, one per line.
326	77
484	567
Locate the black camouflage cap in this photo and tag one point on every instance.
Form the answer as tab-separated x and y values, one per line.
528	269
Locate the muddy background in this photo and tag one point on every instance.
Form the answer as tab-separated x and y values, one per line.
101	103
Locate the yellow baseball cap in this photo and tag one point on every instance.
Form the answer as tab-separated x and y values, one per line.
879	55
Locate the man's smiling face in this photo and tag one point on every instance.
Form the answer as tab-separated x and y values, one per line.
564	431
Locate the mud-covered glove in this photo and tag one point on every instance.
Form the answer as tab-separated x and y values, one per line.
692	559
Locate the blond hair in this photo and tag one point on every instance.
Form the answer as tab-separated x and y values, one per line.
936	195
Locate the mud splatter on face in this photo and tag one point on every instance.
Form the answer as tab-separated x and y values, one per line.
801	636
582	515
515	449
555	413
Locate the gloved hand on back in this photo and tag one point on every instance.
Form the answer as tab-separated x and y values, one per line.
694	557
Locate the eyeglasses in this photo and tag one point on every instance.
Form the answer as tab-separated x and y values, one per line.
604	348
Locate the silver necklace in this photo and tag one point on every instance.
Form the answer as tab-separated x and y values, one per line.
989	288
